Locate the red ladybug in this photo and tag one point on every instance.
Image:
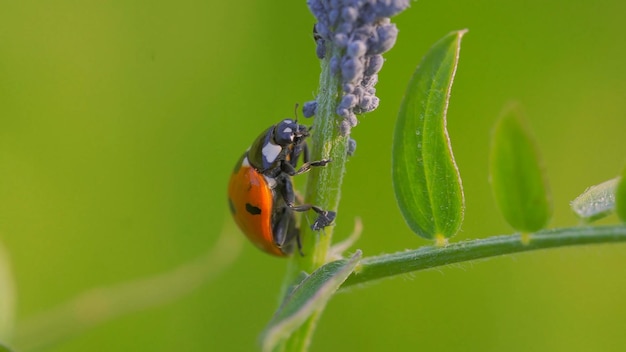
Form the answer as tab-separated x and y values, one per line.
260	191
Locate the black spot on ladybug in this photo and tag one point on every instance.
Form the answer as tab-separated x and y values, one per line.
232	207
252	209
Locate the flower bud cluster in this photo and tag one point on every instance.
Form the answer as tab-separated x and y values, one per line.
356	33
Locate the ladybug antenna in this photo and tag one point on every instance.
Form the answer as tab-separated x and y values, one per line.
295	112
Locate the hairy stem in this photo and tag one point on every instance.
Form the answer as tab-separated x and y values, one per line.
323	189
375	268
324	183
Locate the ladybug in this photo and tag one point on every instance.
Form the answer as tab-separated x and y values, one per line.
260	192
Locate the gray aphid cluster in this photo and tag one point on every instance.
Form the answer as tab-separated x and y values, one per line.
362	32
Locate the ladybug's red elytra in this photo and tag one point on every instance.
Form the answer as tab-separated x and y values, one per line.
260	191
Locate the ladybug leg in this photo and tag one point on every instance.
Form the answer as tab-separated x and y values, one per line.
305	152
307	166
298	150
324	217
285	231
291	170
298	241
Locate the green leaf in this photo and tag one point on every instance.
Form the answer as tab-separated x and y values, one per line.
310	296
426	179
7	296
3	348
596	201
518	180
620	197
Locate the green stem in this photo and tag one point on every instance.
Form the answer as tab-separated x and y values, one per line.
301	338
324	183
374	268
323	190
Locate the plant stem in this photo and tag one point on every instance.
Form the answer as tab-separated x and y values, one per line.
375	268
323	190
301	338
323	183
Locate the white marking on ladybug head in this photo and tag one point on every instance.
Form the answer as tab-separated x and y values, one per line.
287	121
245	162
271	151
287	130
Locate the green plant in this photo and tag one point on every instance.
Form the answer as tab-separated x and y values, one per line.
442	204
426	180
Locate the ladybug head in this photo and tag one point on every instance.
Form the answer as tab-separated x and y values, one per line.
290	132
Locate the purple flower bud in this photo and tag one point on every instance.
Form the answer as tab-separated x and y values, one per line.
309	108
343	112
365	101
352	120
345	28
369	103
357	32
345	128
363	33
351	69
333	16
349	14
390	8
341	40
316	7
374	64
356	49
369	81
367	13
348	101
351	146
346	125
347	88
322	30
384	39
320	48
322	18
375	103
358	91
334	65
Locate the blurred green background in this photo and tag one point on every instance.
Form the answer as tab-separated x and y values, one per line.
120	122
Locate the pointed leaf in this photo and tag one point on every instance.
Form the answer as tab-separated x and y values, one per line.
518	180
426	179
309	296
596	201
620	197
